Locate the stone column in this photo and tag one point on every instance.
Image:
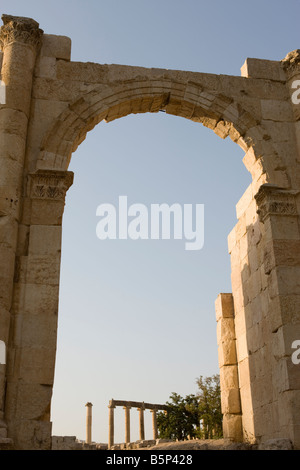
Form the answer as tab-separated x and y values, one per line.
111	424
127	424
141	423
229	381
278	211
88	423
19	41
32	349
154	424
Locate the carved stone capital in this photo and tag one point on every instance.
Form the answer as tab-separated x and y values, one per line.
273	200
50	184
19	29
111	404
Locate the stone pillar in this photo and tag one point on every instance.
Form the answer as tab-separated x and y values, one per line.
127	424
141	423
19	42
88	423
229	381
154	424
32	348
278	211
111	424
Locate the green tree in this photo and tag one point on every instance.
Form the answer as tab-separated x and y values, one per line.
209	405
181	419
195	415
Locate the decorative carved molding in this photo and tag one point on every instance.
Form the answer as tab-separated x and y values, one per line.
273	200
50	184
19	29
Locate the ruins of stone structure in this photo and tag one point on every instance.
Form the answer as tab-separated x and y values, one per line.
141	407
50	105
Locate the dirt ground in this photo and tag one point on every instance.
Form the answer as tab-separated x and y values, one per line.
197	444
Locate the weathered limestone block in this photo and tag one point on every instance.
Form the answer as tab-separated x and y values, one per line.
242	346
227	353
289	306
43	113
2	386
231	240
65	443
43	269
281	375
34	435
7	257
277	110
288	279
240	323
231	402
260	68
42	299
224	306
232	427
236	278
30	400
36	365
12	124
4	324
235	259
58	47
46	67
45	212
225	330
11	147
281	253
229	377
246	199
244	245
253	259
44	240
261	391
240	300
43	335
243	372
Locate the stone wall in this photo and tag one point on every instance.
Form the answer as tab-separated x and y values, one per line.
72	443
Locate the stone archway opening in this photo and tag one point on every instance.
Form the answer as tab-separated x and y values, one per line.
99	156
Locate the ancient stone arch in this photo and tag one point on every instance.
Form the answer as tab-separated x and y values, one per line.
50	105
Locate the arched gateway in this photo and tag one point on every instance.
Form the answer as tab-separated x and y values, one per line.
50	104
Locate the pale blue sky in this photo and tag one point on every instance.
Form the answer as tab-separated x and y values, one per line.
136	318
